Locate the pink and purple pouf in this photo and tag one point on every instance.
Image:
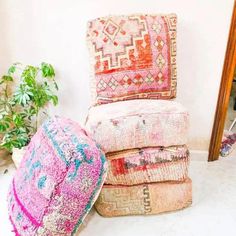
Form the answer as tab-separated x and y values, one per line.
57	182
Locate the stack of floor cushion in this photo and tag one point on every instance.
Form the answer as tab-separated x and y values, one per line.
142	132
147	159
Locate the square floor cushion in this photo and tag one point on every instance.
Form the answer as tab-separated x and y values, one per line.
147	165
144	199
58	180
133	56
138	123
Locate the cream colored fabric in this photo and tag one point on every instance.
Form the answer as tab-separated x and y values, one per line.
138	123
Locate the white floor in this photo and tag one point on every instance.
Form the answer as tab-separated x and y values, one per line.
213	212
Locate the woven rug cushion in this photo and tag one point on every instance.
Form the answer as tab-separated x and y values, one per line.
138	123
133	56
144	199
147	165
58	180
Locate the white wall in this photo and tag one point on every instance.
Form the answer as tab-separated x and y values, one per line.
54	31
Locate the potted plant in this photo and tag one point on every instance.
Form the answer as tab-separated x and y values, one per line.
25	91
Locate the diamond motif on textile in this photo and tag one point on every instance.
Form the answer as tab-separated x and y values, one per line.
159	43
138	79
160	80
149	79
160	61
113	84
102	85
126	81
111	29
157	28
160	75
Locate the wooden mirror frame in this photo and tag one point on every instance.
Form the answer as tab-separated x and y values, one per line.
224	93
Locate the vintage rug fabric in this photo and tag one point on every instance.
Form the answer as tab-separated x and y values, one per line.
133	57
147	165
57	182
138	123
144	199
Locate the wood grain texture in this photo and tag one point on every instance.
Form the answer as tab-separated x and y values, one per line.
224	93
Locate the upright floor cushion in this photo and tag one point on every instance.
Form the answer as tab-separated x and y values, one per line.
133	57
57	182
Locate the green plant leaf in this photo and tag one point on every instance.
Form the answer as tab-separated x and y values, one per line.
55	85
18	120
29	75
54	100
16	137
7	78
47	70
23	94
12	70
20	107
4	125
32	111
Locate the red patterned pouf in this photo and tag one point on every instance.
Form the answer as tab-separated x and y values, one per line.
133	57
147	165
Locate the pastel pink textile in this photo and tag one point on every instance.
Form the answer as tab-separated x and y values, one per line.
57	182
133	56
138	123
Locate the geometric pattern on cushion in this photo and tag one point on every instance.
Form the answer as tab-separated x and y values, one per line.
59	179
133	56
144	199
138	123
147	165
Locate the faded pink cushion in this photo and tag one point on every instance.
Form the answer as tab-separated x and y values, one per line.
144	199
133	56
57	182
138	123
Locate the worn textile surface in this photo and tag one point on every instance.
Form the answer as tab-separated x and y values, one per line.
146	165
144	199
138	123
57	182
133	56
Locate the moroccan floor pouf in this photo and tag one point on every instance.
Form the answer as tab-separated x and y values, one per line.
138	123
144	199
57	182
147	165
133	57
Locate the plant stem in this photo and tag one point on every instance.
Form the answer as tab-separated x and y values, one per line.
6	99
36	122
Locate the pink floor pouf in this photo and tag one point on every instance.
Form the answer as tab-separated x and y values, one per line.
58	181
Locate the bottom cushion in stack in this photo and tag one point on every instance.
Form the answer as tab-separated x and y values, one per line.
144	199
146	165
